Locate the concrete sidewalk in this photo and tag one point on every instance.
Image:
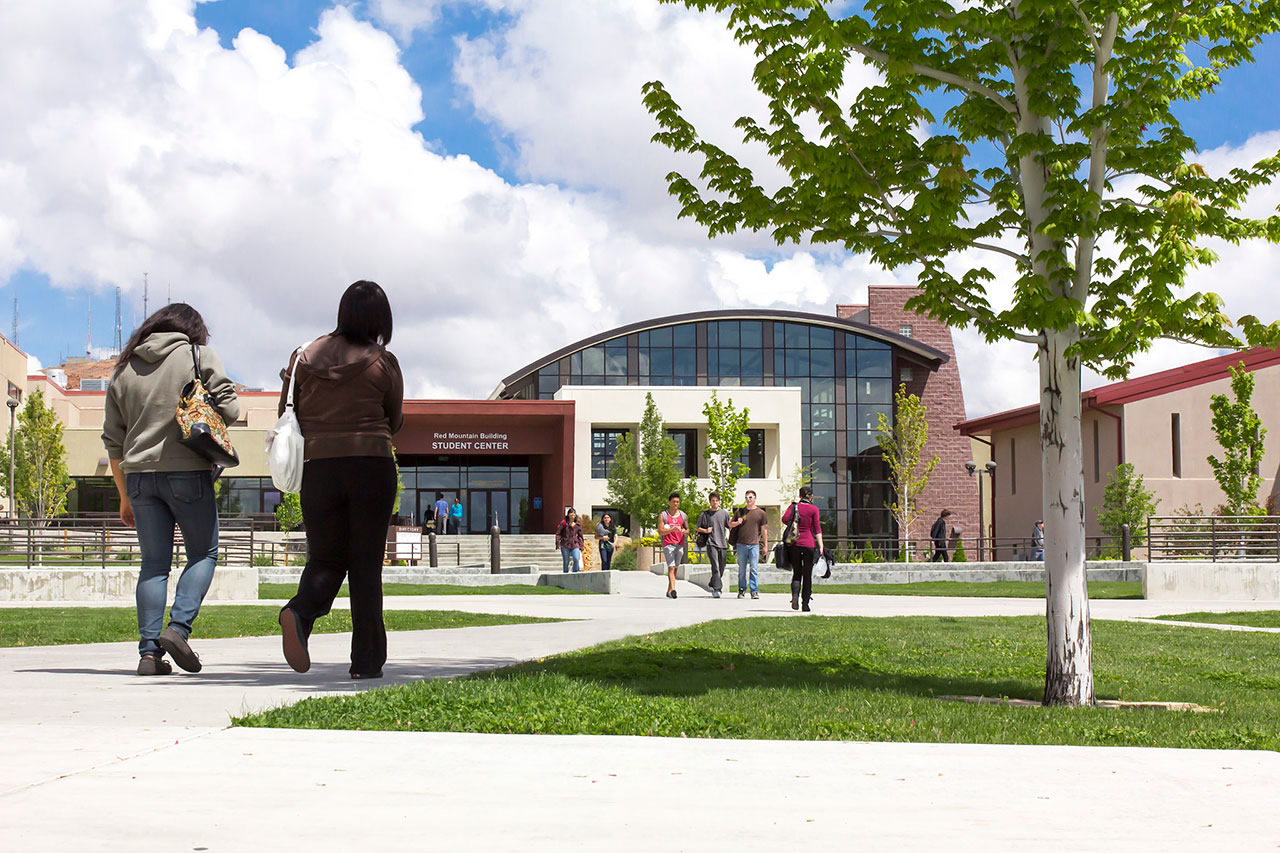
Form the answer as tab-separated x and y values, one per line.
93	757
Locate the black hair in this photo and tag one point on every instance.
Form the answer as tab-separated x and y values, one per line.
946	513
364	314
713	495
175	317
806	491
439	496
673	495
568	512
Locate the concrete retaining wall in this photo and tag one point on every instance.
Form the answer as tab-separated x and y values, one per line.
852	573
601	582
462	575
114	584
1193	581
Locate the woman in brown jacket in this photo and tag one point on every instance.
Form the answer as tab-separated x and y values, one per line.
348	399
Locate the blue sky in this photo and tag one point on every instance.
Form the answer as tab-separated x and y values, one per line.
255	186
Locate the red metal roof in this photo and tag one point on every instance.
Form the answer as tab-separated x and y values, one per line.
1129	390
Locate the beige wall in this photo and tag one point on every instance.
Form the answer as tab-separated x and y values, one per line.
775	410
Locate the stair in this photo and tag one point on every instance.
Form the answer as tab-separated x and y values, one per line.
517	550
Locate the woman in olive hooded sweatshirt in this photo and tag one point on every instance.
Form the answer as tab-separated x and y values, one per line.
162	483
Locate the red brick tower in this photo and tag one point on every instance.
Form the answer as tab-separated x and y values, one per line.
950	486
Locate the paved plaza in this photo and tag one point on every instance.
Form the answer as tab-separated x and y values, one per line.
94	758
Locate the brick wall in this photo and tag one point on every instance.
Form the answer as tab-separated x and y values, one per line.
950	486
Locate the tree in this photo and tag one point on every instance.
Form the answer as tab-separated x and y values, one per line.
40	476
289	512
902	444
639	482
726	439
801	476
1240	433
1126	501
1040	132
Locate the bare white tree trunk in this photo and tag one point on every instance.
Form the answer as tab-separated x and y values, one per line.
1068	678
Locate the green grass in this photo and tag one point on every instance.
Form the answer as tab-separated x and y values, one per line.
846	678
1252	618
286	590
992	589
56	626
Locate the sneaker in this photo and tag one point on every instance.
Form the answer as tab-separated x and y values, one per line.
153	665
673	593
173	642
755	595
742	593
715	593
295	642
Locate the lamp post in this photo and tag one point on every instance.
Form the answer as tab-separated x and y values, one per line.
989	470
13	407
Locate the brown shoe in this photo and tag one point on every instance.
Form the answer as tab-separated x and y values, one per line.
172	641
153	665
295	642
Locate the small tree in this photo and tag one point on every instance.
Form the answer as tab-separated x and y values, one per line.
289	512
902	444
693	501
1126	501
639	482
1240	432
800	477
40	462
726	439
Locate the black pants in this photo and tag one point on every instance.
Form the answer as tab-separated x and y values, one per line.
802	560
715	556
940	553
346	505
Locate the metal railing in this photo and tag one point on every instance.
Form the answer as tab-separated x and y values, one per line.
886	550
1216	538
102	541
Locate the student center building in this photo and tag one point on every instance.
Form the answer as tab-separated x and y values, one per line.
815	386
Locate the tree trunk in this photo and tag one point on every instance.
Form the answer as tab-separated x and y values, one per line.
1068	678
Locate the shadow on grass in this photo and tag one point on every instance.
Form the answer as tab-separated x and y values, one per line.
693	672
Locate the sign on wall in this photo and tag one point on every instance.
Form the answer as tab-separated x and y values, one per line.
468	442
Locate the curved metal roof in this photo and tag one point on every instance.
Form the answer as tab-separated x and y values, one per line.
927	354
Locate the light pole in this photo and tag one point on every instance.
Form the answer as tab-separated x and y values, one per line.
989	470
13	407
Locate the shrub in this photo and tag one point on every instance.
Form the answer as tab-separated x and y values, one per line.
624	561
262	560
868	554
298	560
959	556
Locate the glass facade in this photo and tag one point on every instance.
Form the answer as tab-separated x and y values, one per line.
490	487
846	383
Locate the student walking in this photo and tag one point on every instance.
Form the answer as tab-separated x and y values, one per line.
569	540
440	517
606	536
162	483
807	547
713	531
349	397
938	533
673	528
752	526
455	516
1037	540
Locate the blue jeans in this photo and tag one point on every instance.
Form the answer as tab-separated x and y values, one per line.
161	499
606	556
748	557
572	554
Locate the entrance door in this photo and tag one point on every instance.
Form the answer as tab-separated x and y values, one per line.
483	504
427	504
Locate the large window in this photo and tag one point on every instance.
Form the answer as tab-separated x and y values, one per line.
687	451
753	454
604	448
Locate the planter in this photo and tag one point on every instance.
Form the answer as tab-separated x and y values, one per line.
644	558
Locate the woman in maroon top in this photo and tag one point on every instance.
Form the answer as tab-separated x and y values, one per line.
808	546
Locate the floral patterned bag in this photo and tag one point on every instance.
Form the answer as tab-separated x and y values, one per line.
200	424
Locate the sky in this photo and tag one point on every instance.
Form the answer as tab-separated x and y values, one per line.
487	161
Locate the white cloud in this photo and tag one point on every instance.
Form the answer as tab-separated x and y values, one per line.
405	17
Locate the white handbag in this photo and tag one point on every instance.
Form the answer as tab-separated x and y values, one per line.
285	445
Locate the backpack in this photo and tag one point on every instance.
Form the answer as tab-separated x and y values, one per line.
704	521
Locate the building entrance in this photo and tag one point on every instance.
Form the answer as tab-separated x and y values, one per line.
485	504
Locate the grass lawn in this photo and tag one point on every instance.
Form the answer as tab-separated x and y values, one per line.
286	590
1252	618
846	678
992	589
56	626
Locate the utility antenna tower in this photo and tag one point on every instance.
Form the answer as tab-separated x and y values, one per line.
119	344
145	315
15	321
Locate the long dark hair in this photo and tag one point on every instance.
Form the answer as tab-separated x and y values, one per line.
176	317
364	314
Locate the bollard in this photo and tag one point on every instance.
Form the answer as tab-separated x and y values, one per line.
495	548
1124	542
433	555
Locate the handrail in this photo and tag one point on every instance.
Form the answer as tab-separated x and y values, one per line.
1216	538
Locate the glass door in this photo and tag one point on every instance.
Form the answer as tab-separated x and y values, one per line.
484	503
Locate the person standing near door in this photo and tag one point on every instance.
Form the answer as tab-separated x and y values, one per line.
440	518
349	401
455	516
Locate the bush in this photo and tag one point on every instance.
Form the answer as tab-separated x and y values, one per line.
959	556
298	560
262	560
624	561
868	555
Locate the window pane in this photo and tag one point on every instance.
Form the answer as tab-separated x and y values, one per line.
823	417
752	363
871	390
643	339
821	338
615	362
660	337
862	442
850	363
713	339
751	334
822	362
753	455
824	467
685	336
796	336
729	363
822	443
874	363
822	390
685	362
796	362
660	362
728	333
604	447
713	361
548	382
869	417
869	495
593	361
575	364
643	362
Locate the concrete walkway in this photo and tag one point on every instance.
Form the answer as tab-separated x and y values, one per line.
94	758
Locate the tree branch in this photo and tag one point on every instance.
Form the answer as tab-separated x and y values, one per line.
990	247
1088	26
943	77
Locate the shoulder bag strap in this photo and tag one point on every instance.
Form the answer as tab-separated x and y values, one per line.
195	359
293	376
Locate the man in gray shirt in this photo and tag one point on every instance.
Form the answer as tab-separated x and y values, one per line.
714	524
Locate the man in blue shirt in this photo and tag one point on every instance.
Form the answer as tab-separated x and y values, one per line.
442	513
